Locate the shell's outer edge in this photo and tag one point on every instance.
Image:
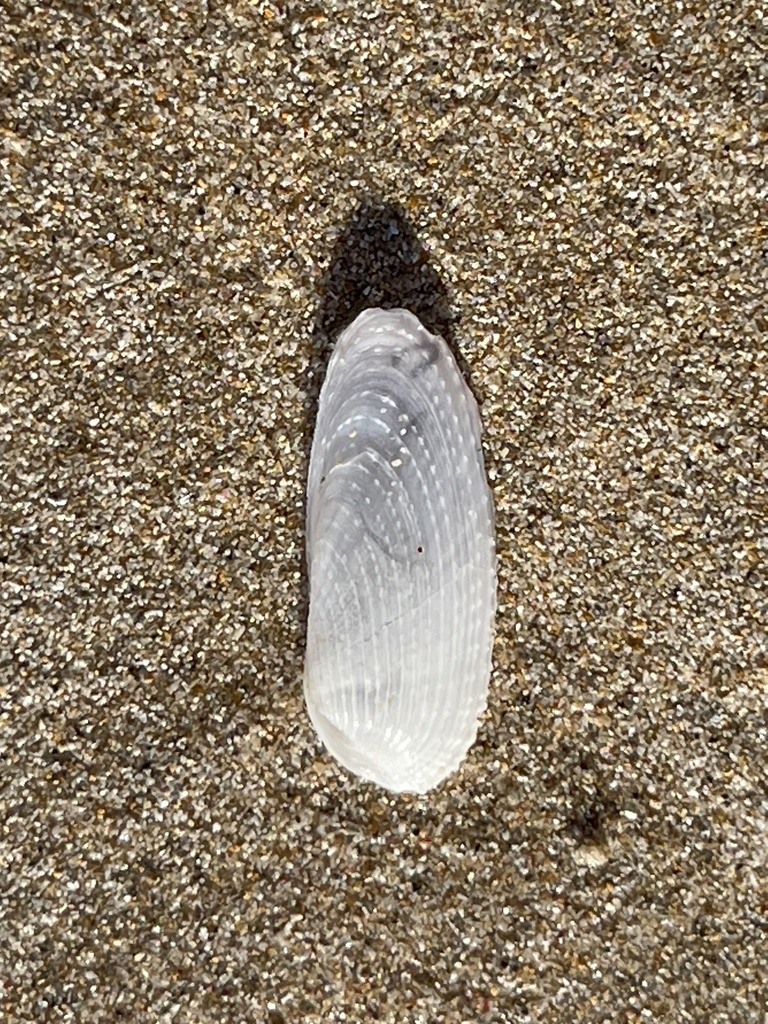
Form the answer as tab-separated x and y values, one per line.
401	556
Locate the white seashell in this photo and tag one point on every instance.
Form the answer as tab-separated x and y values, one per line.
402	564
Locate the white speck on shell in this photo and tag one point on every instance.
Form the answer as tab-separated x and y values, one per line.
401	555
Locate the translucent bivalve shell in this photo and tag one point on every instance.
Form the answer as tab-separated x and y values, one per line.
401	555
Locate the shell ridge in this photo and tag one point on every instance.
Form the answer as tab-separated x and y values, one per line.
441	430
357	589
417	706
412	709
447	710
341	710
445	377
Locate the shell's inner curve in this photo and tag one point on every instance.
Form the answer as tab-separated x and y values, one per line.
400	548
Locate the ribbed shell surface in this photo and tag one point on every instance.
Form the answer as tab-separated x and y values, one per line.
402	566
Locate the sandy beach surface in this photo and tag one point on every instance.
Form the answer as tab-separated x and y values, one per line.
196	197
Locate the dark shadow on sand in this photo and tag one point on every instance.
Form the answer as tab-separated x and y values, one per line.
378	260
